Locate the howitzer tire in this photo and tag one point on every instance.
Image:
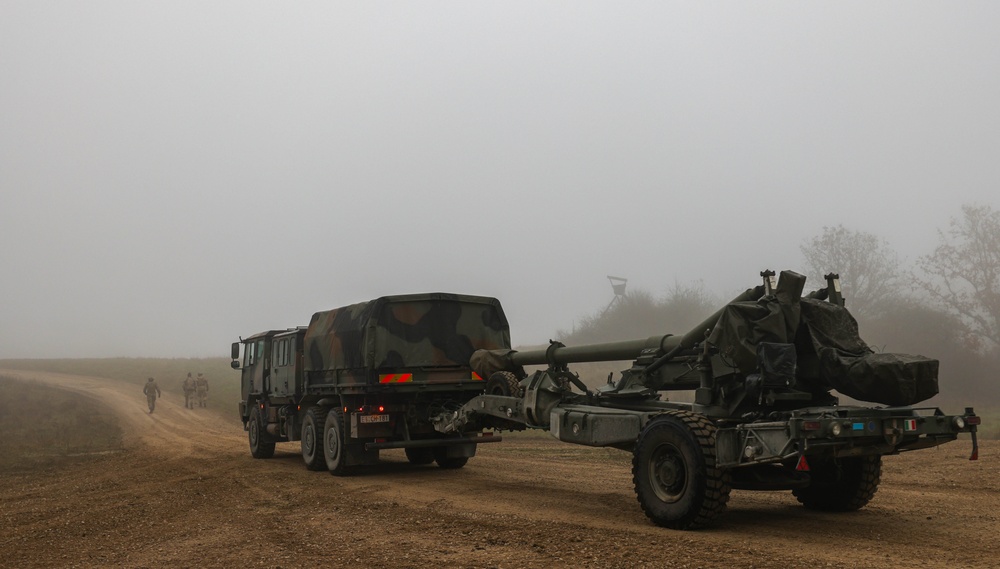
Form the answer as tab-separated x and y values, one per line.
841	485
420	456
503	383
261	445
333	443
312	438
677	481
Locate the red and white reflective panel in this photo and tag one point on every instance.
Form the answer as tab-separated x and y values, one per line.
395	378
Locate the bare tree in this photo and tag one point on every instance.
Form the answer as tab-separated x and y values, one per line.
868	267
963	272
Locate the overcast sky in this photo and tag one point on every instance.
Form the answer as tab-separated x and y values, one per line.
175	174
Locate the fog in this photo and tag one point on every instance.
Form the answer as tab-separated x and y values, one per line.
176	174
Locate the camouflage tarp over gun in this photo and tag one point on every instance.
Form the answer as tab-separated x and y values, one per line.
768	341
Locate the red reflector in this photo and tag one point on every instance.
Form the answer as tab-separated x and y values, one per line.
476	376
973	420
395	378
381	408
802	466
810	425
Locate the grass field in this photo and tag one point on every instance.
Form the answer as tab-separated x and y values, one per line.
223	381
73	427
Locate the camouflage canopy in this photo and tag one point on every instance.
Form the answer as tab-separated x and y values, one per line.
418	330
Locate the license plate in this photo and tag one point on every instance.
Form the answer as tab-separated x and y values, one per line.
374	419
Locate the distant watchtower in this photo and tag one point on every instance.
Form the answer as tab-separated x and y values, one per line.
618	286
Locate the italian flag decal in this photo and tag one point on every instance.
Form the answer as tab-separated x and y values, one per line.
910	425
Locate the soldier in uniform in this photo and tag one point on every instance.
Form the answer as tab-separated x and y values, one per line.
189	389
152	391
201	385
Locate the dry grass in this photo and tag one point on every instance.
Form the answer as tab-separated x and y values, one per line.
45	426
224	382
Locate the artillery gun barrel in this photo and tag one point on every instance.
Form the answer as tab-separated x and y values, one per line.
629	349
612	351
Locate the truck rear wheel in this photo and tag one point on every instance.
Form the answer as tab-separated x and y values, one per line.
449	463
333	443
841	485
261	445
674	471
420	455
312	438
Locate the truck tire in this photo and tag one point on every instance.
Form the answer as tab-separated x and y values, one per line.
420	456
503	383
312	438
334	442
677	481
450	463
841	485
261	444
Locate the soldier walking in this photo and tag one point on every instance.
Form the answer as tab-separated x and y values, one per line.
201	385
189	389
152	391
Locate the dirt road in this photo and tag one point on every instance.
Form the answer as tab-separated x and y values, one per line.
186	493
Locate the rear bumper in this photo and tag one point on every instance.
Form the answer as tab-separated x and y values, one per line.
842	431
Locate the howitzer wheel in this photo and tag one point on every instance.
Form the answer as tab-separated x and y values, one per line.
841	485
261	444
334	443
312	438
503	383
674	471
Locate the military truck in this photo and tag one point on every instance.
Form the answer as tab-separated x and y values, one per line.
368	377
763	417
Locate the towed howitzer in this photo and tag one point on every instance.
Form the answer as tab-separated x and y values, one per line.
763	418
